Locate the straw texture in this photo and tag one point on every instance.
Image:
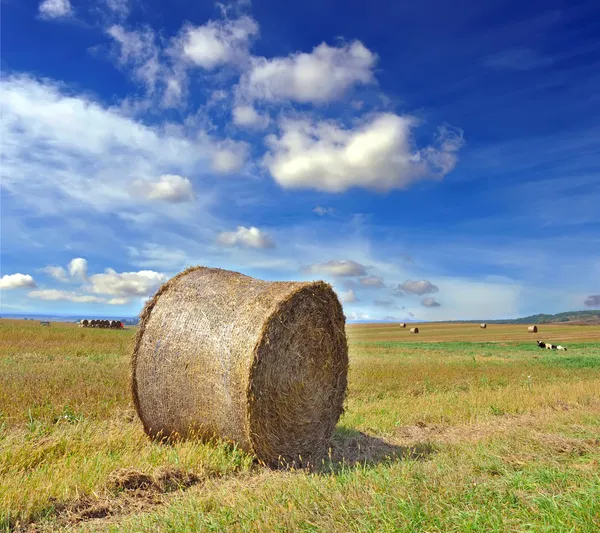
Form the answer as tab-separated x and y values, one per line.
262	364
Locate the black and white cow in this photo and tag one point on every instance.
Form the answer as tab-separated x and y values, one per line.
550	346
546	345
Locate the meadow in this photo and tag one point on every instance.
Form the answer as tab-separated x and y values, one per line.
455	429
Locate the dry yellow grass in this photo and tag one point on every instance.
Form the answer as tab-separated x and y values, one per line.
441	332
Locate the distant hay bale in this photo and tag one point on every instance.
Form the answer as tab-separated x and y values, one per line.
262	364
85	322
483	326
414	330
402	325
532	329
94	323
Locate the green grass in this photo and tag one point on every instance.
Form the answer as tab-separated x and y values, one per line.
437	436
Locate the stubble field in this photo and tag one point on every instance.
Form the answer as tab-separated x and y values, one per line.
454	429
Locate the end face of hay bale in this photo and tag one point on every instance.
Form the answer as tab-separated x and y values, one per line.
532	329
299	377
262	364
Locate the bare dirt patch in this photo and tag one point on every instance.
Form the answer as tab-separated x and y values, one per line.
127	491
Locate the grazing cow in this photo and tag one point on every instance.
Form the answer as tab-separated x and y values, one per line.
547	345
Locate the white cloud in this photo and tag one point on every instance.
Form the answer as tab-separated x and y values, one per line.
54	9
322	211
377	155
337	268
430	302
57	272
229	157
321	76
247	117
372	282
354	316
417	287
54	294
118	301
126	284
120	8
139	52
78	268
85	159
217	43
16	281
169	188
246	237
349	297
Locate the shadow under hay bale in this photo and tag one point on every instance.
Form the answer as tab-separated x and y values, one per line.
351	448
261	364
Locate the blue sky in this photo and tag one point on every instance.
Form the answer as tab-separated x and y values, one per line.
431	161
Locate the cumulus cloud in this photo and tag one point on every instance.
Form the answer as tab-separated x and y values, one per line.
246	116
57	272
348	297
55	294
78	268
126	284
377	154
16	281
229	157
251	237
429	302
54	9
318	77
373	282
417	287
337	268
593	300
322	211
217	43
169	188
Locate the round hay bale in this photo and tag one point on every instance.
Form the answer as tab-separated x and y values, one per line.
414	330
262	364
402	325
532	329
483	326
85	322
94	323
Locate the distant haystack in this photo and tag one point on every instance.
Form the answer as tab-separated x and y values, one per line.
532	329
262	364
414	330
402	325
483	326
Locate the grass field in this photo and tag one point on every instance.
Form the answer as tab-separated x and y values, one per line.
455	429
